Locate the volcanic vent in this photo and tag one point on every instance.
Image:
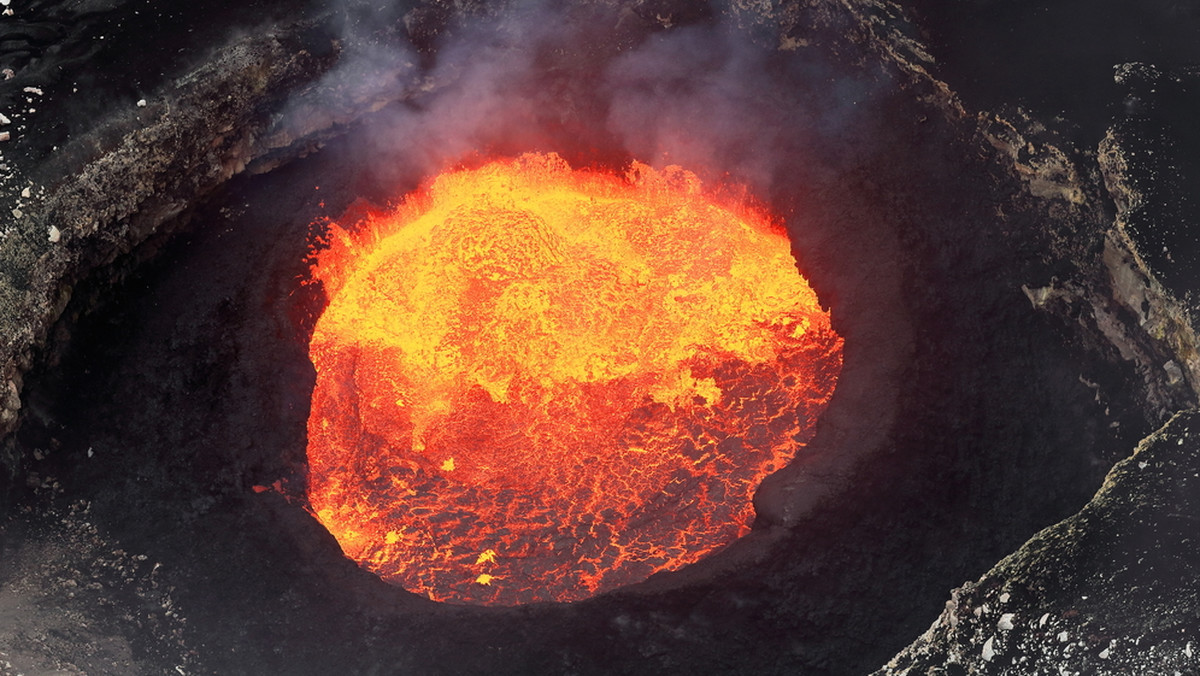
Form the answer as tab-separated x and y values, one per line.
178	382
535	384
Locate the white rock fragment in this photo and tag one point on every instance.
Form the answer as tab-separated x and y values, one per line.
1062	637
988	650
7	12
90	452
8	73
1143	465
33	90
4	119
1004	597
1042	622
141	103
55	234
1187	649
25	192
17	213
4	136
5	3
1006	622
1104	653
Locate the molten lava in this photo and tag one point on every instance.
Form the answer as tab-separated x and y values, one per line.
536	383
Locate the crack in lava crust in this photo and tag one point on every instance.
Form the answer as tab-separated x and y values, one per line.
536	383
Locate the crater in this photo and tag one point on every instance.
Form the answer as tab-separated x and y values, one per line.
168	406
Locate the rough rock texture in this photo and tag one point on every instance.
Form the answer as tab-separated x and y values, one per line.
1109	590
59	618
248	106
1146	155
1112	590
195	137
1005	345
1111	293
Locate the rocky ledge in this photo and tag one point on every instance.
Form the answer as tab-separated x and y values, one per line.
1114	589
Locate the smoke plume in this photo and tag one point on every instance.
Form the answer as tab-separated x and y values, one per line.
601	85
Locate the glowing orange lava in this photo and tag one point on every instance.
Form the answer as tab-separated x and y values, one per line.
536	383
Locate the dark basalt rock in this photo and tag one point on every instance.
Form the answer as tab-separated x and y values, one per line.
1005	344
1147	154
1111	589
1114	589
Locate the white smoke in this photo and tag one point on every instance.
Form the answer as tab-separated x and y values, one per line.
699	97
579	80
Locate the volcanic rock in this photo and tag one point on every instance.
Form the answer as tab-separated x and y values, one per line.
1006	344
1114	589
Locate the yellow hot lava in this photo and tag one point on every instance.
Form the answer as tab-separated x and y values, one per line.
536	383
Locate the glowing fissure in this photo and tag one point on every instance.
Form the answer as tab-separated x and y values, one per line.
536	383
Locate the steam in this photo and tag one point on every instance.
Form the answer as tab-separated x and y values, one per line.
603	84
701	98
484	94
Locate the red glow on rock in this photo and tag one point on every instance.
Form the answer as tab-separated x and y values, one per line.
536	383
